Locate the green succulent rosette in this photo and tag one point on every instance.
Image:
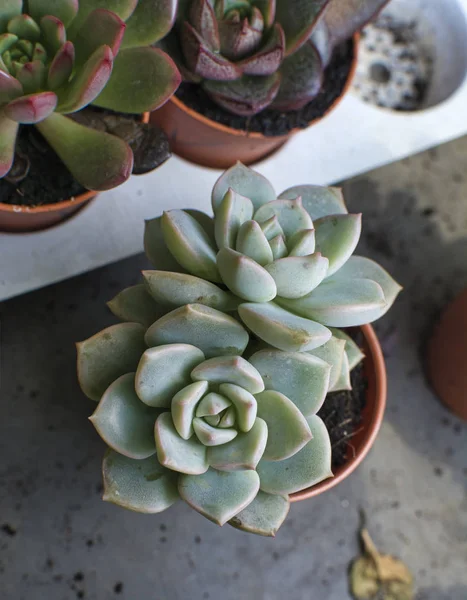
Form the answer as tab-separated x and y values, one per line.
186	416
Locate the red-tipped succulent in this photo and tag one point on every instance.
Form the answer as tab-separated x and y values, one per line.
252	54
58	57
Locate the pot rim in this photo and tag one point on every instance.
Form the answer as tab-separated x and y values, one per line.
56	206
377	365
255	134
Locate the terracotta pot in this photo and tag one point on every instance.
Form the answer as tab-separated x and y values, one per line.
208	143
20	219
372	417
447	357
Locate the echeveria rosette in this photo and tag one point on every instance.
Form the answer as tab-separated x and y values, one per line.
229	436
251	54
288	262
58	57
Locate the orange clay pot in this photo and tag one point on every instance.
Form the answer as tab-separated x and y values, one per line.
372	417
20	219
447	357
206	142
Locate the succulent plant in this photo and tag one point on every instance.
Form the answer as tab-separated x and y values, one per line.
251	54
186	416
57	57
287	262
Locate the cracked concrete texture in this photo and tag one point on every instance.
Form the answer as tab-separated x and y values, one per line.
59	541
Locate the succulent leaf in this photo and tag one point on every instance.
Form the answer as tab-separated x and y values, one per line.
32	108
203	20
65	10
264	515
288	429
290	213
98	160
246	407
8	130
190	245
135	305
210	330
318	201
163	371
10	9
309	466
212	436
212	404
122	8
150	21
108	355
61	67
32	76
278	247
302	243
245	277
242	453
176	453
298	18
281	328
156	249
144	486
53	33
178	289
296	276
233	211
337	237
143	79
184	405
344	18
252	242
124	422
303	378
219	495
268	60
10	88
354	354
229	369
343	381
101	28
332	352
25	28
246	182
343	303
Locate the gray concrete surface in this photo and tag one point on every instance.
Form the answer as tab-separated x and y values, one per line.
58	541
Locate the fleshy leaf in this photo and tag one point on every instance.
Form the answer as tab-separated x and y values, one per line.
290	213
229	418
108	355
246	96
267	60
245	404
337	237
24	27
233	211
212	404
123	421
343	303
298	18
303	378
65	10
212	436
165	370
242	453
150	22
184	405
33	108
144	486
61	67
245	277
173	452
360	267
178	289
246	182
190	244
8	131
343	381
10	9
318	201
101	28
213	332
156	249
288	429
53	33
302	79
281	328
229	369
252	242
311	465
263	516
271	228
278	247
136	305
354	354
343	19
332	352
96	159
302	243
219	495
202	18
143	79
122	8
296	276
10	88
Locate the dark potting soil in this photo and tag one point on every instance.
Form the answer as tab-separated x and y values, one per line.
273	122
342	413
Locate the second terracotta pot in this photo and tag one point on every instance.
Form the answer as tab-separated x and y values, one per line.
372	417
208	143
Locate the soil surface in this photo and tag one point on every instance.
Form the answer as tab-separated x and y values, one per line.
342	413
273	122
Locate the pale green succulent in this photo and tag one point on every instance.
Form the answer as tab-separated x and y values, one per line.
287	261
185	415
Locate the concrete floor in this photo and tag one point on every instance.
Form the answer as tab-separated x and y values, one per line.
58	541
